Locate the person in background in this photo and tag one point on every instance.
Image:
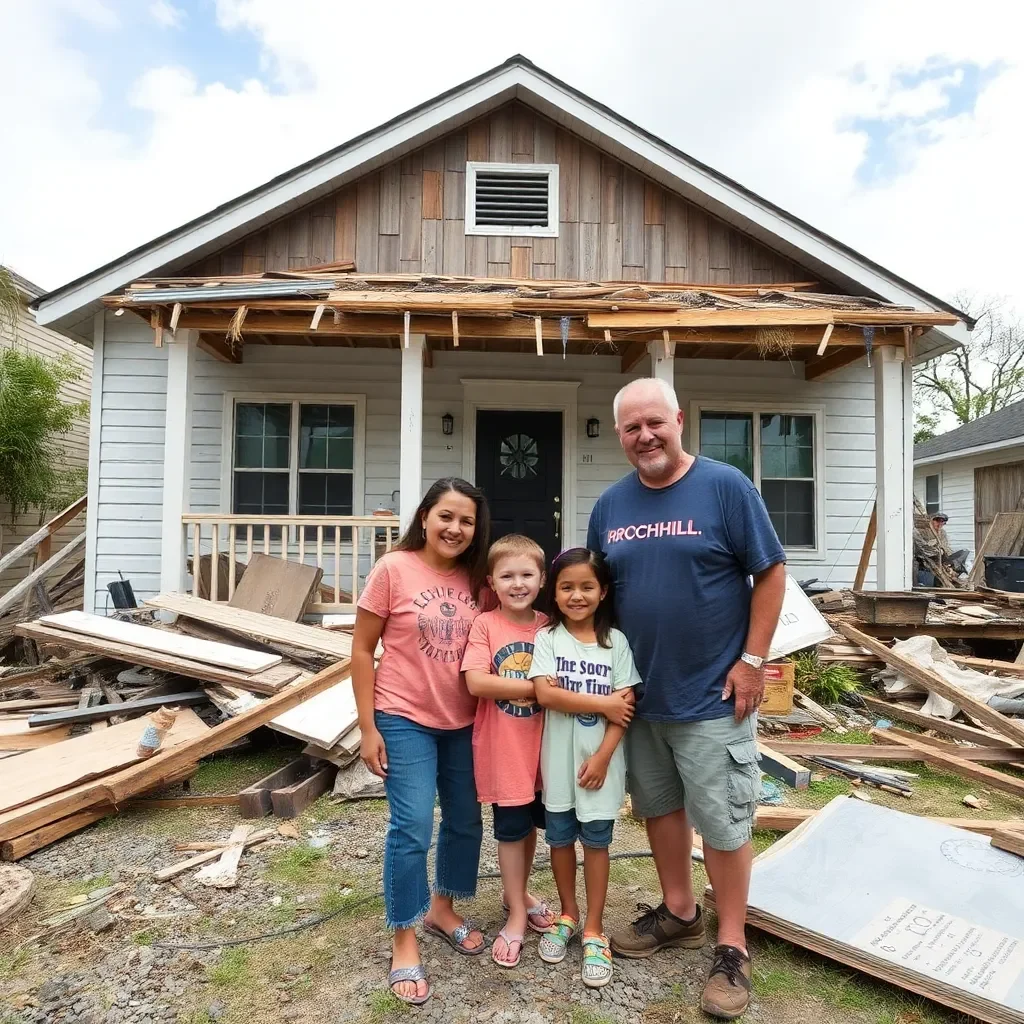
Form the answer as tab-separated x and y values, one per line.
584	675
507	731
931	544
416	718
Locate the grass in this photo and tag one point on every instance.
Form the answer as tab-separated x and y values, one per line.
300	865
232	771
584	1015
384	1006
232	969
11	963
82	886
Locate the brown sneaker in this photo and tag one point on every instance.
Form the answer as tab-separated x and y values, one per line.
656	928
727	990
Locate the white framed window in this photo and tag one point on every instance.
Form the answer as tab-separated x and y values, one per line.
288	454
931	494
511	199
781	448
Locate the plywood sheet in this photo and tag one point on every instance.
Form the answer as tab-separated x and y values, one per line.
323	719
163	640
274	586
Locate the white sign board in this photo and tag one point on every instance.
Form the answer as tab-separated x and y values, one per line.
800	623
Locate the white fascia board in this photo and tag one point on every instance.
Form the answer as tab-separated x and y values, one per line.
963	453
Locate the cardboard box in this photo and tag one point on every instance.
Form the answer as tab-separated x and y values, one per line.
778	687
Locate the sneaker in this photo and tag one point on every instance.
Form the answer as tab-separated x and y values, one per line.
656	928
727	990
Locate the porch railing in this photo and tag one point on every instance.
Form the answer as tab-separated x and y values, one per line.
218	547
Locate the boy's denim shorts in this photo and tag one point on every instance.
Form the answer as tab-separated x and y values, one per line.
563	828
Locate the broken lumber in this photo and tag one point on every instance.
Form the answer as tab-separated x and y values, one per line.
29	544
890	751
785	819
24	586
255	801
1012	842
914	716
779	766
276	587
164	874
17	886
223	872
292	800
929	680
101	711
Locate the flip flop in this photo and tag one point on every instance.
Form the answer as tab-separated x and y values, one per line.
540	909
509	939
416	973
457	937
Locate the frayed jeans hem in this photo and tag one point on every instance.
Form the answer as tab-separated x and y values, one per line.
393	926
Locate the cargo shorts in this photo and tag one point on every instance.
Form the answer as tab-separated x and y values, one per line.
709	769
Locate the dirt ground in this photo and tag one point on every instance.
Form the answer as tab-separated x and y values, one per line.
163	954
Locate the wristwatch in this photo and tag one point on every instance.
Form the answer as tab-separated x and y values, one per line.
752	659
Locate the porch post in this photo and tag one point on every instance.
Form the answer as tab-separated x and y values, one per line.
892	466
181	355
410	465
663	365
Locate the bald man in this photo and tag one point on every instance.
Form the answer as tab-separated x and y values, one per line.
699	578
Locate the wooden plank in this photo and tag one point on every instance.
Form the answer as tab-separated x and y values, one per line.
31	703
323	719
269	681
164	641
785	819
632	229
390	199
100	711
817	368
433	195
1012	842
368	223
567	155
29	544
590	185
905	713
889	751
345	224
958	750
38	773
25	585
1001	724
276	587
1002	537
521	260
676	238
866	548
312	638
410	235
654	251
957	765
22	846
432	246
255	800
223	872
738	317
291	801
779	766
165	874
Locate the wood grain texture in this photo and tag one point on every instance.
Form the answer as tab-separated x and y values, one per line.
275	586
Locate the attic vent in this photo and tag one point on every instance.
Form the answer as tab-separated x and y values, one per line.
511	199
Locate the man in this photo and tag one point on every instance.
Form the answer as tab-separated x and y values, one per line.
682	535
932	547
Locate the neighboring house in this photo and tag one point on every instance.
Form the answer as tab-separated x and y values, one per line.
44	341
972	473
319	416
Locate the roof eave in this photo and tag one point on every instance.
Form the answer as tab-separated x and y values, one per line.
978	449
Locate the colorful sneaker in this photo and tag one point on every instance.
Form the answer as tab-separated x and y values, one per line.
727	991
656	928
553	944
597	961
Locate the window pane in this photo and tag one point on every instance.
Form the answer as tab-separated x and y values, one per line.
712	429
787	445
275	452
325	436
261	494
325	494
248	452
339	453
742	460
799	462
314	451
249	419
278	419
799	530
713	451
728	437
261	435
791	509
773	461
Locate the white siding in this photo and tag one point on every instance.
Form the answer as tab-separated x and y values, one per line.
956	490
133	412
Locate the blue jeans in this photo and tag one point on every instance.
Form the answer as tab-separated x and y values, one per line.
422	763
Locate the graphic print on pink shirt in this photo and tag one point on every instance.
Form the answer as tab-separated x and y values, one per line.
443	632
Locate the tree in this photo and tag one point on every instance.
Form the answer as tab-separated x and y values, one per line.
10	305
984	375
925	426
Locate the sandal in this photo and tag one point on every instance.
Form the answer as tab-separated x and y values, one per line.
552	947
416	973
457	938
509	940
597	961
539	909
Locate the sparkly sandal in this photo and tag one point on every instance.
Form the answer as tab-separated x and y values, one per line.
509	940
597	961
553	943
539	909
457	938
416	973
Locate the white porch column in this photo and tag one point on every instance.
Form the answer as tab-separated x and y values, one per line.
663	365
410	465
893	464
181	356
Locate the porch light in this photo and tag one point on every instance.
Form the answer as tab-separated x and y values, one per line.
593	427
447	424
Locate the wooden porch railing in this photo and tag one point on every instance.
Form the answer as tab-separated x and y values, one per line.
345	547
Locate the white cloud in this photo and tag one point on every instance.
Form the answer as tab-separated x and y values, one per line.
765	100
166	14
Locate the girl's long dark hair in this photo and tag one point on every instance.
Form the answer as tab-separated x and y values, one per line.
474	558
604	617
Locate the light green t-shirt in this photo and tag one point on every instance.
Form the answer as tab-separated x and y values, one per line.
570	739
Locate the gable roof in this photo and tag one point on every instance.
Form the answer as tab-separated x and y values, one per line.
69	306
998	429
24	286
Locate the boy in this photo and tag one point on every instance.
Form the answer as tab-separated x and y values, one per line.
507	730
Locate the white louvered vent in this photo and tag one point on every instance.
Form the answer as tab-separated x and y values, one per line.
511	199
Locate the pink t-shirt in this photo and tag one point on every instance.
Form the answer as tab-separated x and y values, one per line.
427	618
506	733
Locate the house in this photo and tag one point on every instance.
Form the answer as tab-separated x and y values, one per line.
972	473
53	344
233	411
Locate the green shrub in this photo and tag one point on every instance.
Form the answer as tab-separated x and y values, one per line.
823	683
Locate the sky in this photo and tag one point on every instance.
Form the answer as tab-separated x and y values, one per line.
895	127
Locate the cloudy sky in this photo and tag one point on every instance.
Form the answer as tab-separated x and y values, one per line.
894	126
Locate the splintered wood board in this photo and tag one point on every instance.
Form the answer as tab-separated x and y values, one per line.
38	773
323	719
16	888
267	682
276	587
944	919
164	641
312	638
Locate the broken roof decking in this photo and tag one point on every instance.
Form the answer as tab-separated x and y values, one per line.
337	306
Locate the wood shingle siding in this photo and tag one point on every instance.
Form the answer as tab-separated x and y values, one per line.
409	216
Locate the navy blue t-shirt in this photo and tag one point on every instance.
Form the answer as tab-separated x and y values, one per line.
680	557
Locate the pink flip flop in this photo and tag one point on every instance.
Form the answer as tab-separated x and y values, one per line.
509	939
540	909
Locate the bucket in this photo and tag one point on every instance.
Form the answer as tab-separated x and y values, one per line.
1005	572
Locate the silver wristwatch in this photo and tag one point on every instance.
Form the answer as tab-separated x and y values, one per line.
752	659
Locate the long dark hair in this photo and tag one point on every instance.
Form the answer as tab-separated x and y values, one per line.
604	617
474	558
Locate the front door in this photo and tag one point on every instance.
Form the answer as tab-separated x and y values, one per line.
519	468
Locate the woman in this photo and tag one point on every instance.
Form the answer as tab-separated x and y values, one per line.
416	717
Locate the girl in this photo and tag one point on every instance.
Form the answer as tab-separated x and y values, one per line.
583	672
416	717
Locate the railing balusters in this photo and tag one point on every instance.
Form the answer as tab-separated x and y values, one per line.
266	538
248	544
302	544
231	560
214	561
355	564
196	550
320	547
337	564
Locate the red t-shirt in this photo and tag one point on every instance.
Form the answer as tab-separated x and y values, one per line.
506	733
427	618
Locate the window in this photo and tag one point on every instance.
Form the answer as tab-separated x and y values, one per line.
777	451
512	199
296	456
931	494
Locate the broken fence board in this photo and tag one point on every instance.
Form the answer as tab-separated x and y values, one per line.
905	713
223	873
276	587
164	874
101	711
24	586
